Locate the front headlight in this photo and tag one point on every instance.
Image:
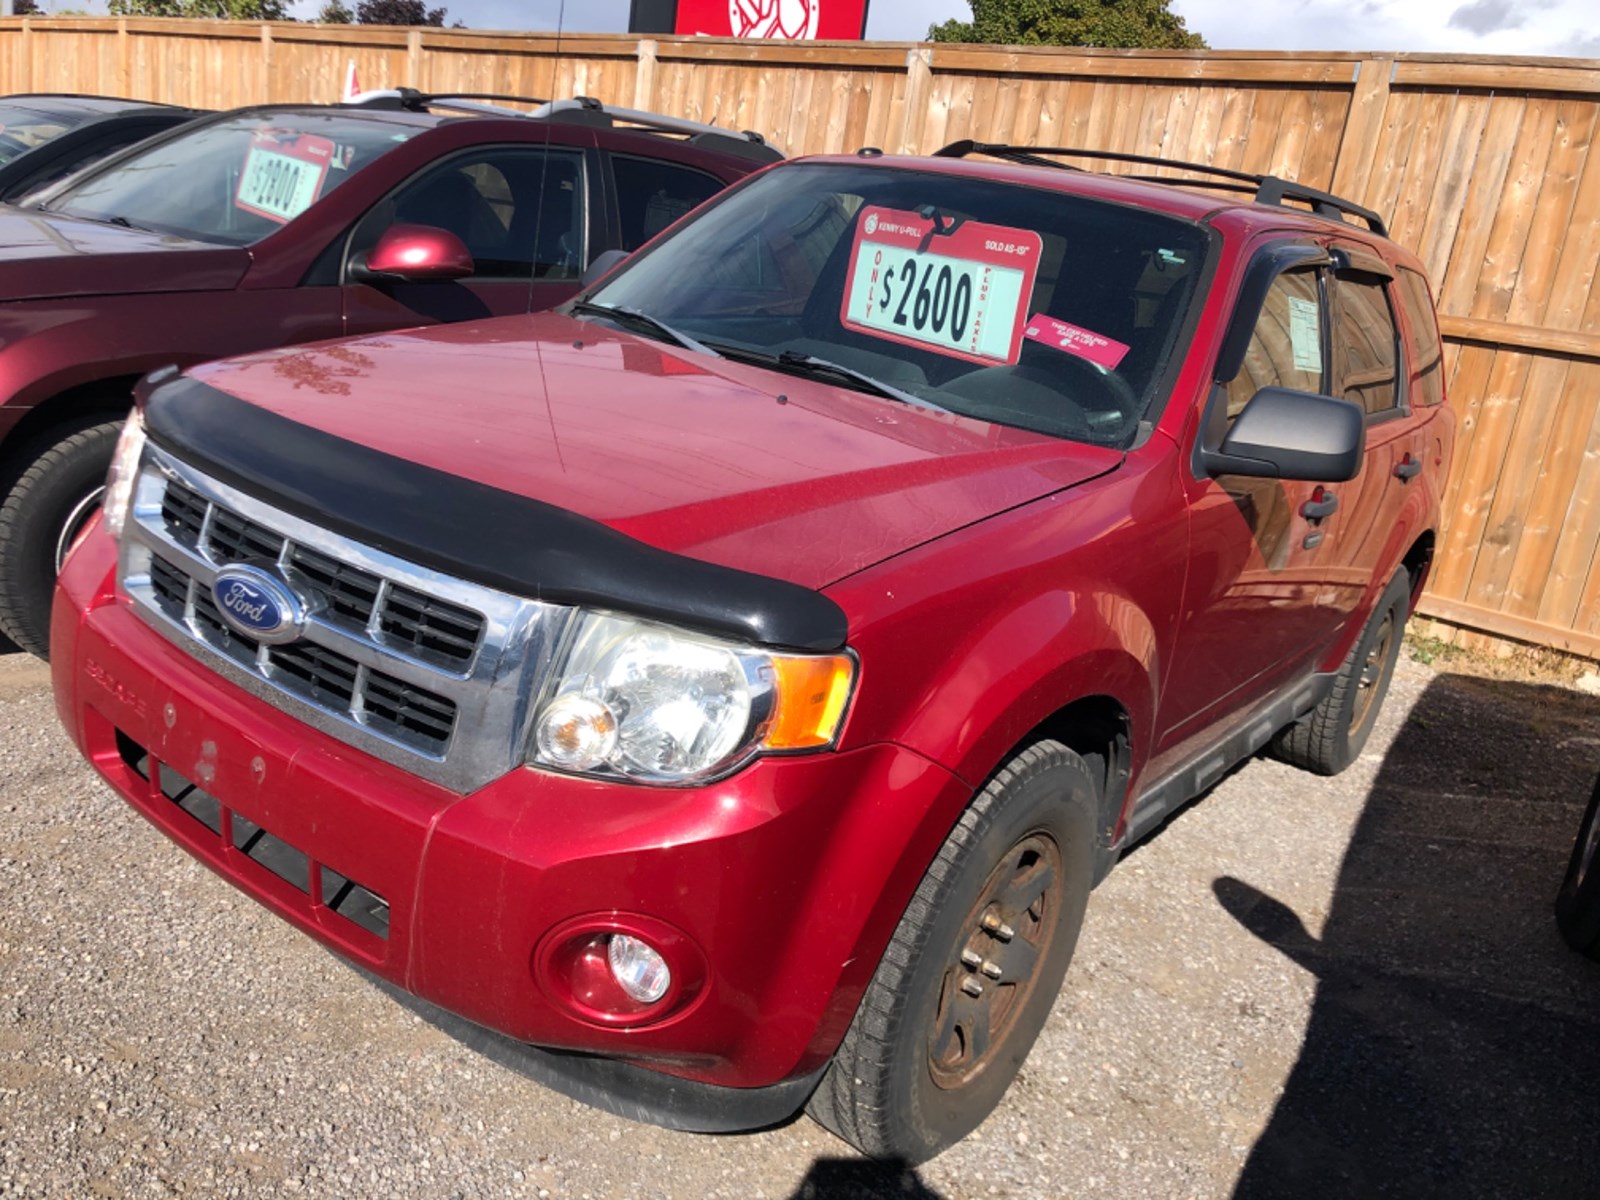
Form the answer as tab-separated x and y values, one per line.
123	474
637	700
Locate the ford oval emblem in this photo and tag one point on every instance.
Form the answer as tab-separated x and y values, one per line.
258	604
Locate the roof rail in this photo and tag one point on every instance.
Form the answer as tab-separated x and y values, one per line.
404	99
586	109
581	109
1269	189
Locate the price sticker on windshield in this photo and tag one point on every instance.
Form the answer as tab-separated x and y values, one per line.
283	178
957	288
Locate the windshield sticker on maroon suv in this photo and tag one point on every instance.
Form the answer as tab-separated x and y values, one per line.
283	177
939	283
1097	348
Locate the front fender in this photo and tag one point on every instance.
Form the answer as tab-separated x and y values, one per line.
969	642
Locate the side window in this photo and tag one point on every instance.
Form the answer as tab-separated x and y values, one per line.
1365	343
1286	348
1427	373
518	210
652	195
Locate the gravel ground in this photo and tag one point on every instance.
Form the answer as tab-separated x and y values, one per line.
1299	987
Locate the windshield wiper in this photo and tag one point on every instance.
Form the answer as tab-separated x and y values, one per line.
119	221
626	315
810	364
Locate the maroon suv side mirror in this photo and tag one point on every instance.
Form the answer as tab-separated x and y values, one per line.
415	254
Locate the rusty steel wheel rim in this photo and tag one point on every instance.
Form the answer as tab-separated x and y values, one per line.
1372	668
1004	940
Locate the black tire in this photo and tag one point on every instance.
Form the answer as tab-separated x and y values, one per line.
1578	901
908	1080
1332	736
45	506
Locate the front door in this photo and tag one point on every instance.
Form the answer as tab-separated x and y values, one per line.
1276	567
522	212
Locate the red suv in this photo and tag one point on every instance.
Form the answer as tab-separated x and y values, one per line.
270	226
738	679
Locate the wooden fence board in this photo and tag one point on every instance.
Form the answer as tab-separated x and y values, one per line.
1488	168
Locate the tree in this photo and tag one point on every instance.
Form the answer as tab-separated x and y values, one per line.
398	12
27	8
225	10
1124	24
335	13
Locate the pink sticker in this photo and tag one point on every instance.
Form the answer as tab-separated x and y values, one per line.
1098	349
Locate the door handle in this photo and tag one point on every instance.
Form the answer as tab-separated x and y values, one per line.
1408	469
1321	505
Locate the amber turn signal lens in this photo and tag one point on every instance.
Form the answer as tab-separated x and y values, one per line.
811	698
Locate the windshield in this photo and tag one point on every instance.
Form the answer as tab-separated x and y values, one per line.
21	128
1016	305
233	181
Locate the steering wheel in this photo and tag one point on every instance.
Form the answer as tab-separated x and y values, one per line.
1051	398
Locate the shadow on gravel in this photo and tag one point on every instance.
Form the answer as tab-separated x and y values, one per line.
7	646
862	1179
1454	1041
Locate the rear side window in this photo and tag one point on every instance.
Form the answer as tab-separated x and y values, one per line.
1366	344
652	195
1427	373
1286	348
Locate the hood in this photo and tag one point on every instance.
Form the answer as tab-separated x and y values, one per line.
45	255
724	462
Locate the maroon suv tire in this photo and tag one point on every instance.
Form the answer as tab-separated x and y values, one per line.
42	512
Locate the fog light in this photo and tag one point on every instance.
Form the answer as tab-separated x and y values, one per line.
638	968
577	733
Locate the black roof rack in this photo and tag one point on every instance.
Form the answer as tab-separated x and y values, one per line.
580	109
1269	189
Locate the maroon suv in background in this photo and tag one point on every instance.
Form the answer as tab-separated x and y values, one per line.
268	226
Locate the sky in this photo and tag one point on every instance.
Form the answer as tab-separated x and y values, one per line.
1567	28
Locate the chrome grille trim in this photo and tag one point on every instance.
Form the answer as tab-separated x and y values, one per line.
492	691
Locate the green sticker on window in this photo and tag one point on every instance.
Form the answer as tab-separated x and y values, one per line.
1305	335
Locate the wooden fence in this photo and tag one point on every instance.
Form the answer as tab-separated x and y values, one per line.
1488	168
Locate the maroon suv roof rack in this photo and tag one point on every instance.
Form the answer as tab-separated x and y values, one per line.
581	109
1269	189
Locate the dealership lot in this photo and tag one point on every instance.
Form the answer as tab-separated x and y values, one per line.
1300	986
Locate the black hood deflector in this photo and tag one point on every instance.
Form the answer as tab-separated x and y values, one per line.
470	530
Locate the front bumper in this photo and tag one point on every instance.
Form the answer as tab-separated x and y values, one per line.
787	878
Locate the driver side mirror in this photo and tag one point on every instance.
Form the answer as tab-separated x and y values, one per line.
414	254
1286	434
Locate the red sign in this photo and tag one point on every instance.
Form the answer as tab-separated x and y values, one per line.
1097	348
783	20
956	288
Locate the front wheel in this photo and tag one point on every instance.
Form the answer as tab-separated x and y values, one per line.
1578	902
42	513
973	968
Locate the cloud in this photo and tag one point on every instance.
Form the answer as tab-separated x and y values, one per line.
1580	45
1483	17
1487	16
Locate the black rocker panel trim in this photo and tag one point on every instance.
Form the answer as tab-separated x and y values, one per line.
473	531
1243	736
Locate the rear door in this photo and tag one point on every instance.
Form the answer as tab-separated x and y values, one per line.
523	211
1367	357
